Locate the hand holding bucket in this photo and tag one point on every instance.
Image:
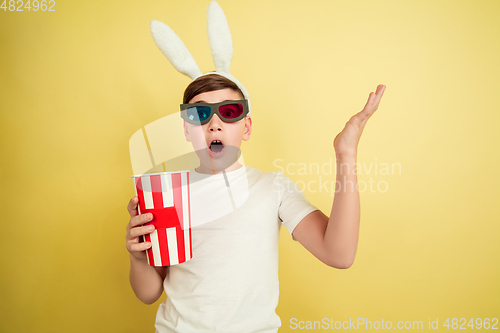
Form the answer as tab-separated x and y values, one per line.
166	196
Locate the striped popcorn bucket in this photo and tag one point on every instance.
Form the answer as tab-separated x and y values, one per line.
166	196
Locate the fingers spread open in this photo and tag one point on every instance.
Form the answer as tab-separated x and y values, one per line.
371	104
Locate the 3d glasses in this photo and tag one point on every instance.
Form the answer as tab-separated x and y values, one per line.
201	113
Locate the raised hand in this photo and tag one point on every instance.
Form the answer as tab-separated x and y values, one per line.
346	142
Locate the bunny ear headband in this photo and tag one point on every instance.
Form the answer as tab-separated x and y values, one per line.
221	46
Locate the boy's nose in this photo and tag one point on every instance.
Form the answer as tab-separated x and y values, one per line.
215	124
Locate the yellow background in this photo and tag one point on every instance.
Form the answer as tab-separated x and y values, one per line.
76	83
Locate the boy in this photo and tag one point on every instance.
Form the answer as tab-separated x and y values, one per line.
231	283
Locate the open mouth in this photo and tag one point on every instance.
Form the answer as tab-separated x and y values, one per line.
216	148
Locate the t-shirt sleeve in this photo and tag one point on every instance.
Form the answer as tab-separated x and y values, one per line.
294	205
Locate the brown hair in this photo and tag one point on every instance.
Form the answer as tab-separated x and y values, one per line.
208	83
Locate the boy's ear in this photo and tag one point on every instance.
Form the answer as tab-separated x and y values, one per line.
248	128
186	132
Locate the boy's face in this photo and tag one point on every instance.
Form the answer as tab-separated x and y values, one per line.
212	157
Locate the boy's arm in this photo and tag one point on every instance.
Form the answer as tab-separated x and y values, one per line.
146	280
334	239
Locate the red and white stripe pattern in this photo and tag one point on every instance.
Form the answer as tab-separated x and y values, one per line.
166	196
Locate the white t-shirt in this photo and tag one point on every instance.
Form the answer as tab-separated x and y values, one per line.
231	283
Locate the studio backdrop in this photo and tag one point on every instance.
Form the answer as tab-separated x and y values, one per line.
78	79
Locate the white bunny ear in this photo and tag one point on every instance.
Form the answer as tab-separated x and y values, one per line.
219	37
174	49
